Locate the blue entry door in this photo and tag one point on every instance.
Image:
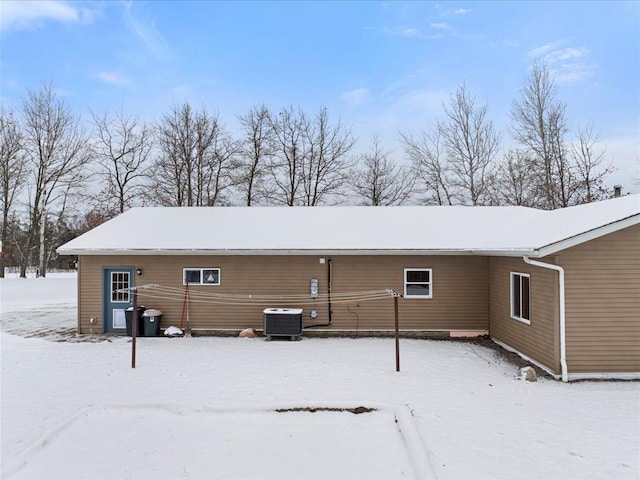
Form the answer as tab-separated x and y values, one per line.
116	297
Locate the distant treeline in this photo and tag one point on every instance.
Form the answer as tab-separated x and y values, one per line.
51	156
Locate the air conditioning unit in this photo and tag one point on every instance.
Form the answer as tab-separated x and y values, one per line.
283	322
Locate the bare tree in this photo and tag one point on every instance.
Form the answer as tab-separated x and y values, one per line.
378	181
225	161
471	144
256	151
590	165
565	172
122	148
540	126
635	180
56	148
308	163
425	152
324	169
12	173
290	150
17	233
512	182
194	151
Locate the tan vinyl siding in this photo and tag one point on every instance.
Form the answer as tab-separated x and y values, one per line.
603	303
459	291
539	341
89	296
459	285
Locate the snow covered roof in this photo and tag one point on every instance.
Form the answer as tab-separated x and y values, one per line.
566	227
354	230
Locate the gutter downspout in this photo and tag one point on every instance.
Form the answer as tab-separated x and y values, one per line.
329	286
563	343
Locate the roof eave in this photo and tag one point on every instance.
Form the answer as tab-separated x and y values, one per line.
314	251
589	235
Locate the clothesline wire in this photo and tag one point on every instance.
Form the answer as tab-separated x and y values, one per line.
195	293
177	294
262	302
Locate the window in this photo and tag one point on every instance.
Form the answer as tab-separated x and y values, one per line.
520	294
120	287
201	276
417	283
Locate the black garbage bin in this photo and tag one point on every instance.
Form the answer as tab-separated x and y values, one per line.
152	319
128	314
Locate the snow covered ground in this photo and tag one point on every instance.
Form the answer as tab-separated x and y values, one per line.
42	307
208	407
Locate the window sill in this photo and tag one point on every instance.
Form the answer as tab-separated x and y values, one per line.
521	320
409	297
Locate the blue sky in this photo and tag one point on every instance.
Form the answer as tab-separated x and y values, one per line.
383	67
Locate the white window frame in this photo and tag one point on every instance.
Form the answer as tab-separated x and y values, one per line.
511	303
430	282
201	269
125	295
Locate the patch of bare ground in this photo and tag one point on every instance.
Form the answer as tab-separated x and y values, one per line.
355	411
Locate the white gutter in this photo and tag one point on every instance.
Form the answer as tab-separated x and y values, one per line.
275	251
563	342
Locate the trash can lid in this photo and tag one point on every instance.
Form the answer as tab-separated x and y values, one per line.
152	312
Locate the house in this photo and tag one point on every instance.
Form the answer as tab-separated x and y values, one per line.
561	287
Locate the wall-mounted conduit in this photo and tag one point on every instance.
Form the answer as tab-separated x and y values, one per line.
329	275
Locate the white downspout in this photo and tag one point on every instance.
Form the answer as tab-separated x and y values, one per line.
563	344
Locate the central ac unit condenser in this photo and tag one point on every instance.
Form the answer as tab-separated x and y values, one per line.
283	322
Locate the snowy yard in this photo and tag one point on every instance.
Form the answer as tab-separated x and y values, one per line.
232	408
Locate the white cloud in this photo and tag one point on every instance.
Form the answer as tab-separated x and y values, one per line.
566	54
30	14
441	26
543	50
148	33
113	78
457	11
568	65
425	100
505	44
401	31
567	73
358	96
410	32
181	92
405	111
